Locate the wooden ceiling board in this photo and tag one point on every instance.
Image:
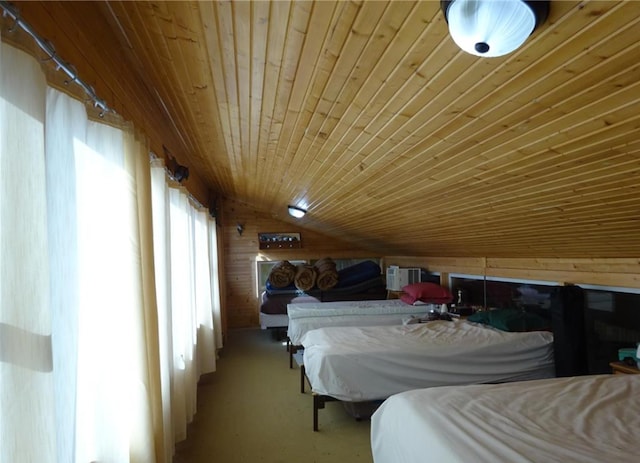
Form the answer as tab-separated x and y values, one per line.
369	115
294	52
295	121
220	157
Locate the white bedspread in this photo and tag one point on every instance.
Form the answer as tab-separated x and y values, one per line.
371	363
304	317
589	419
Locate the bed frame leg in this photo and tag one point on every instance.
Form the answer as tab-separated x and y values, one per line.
292	350
302	375
318	403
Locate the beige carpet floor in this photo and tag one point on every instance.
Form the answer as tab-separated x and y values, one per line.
251	410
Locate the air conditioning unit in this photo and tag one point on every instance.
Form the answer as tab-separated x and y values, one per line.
398	277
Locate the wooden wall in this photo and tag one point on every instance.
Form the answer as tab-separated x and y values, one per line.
618	272
238	268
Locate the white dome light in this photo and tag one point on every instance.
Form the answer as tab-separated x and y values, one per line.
492	27
296	212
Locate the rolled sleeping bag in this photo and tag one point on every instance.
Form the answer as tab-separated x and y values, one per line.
282	274
327	274
305	278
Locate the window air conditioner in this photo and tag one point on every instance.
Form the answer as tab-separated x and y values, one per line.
398	277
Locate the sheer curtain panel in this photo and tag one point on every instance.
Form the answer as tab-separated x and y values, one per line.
182	238
103	378
27	411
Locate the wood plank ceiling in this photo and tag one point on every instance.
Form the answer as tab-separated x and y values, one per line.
367	114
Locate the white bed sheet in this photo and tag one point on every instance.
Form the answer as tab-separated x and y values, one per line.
588	419
307	316
373	363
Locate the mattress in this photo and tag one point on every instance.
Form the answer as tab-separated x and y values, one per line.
587	419
277	304
312	315
372	285
375	362
268	320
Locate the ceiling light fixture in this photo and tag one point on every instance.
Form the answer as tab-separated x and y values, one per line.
493	27
296	212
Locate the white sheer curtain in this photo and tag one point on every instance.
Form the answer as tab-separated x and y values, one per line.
97	361
100	348
27	413
186	298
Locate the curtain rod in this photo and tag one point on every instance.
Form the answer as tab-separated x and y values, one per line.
10	10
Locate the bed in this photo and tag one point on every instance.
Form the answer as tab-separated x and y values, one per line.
587	419
364	364
362	281
273	308
305	316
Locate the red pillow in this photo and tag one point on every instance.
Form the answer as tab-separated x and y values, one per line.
411	300
427	292
407	299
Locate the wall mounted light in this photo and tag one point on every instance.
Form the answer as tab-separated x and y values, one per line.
296	211
240	228
493	27
178	172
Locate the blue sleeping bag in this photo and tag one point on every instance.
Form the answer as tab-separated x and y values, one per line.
358	273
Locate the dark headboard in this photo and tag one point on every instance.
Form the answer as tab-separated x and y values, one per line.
569	334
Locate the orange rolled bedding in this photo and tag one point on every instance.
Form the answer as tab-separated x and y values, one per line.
305	278
327	274
282	274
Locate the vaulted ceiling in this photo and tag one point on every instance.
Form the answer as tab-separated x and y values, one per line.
367	114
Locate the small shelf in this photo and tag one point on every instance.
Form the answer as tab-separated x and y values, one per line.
621	368
284	240
283	245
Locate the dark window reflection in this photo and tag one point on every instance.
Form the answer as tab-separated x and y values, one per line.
501	294
613	322
612	318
